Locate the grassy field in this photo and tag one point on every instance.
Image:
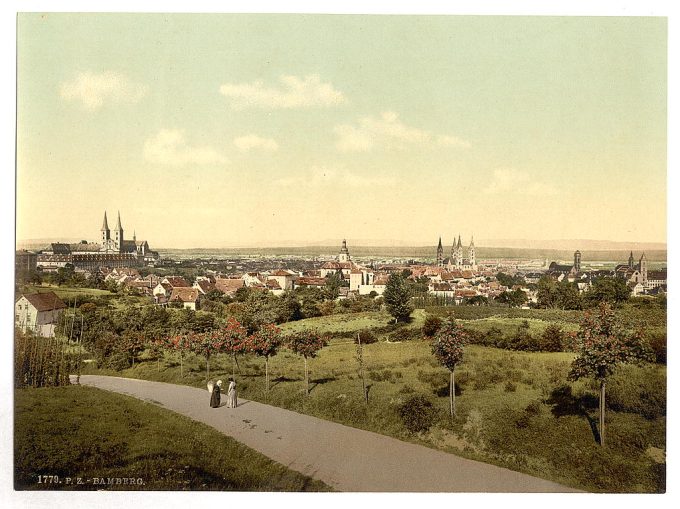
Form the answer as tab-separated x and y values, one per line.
65	292
84	432
515	409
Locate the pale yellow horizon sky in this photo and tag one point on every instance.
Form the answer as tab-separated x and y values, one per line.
236	130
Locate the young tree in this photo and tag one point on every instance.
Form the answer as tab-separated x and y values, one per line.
603	345
398	298
306	343
180	343
447	347
233	337
265	343
133	342
207	344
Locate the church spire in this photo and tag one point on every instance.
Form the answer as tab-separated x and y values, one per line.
118	226
105	225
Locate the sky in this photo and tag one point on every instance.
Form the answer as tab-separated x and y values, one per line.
248	130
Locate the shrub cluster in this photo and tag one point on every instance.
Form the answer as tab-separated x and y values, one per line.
553	339
405	334
417	414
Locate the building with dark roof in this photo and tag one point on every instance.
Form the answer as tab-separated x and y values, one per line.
38	312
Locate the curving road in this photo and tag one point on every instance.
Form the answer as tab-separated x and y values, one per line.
348	459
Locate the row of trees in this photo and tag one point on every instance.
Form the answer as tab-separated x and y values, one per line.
232	339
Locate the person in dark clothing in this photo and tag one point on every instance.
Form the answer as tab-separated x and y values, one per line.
215	395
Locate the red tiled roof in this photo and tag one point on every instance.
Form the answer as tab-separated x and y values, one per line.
280	273
184	294
177	281
229	286
311	281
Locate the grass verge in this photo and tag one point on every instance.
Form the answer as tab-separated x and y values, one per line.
82	432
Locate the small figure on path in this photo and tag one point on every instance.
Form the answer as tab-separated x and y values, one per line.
232	401
214	393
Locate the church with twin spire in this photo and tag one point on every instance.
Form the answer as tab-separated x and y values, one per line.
457	260
113	241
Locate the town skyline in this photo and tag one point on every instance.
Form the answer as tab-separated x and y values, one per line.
213	136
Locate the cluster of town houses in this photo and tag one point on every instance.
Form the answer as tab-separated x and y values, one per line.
455	278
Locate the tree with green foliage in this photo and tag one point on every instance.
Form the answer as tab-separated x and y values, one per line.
546	293
568	296
447	347
397	298
306	343
613	290
508	280
133	342
515	298
603	345
331	290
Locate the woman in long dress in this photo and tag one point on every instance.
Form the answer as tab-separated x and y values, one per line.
215	394
232	400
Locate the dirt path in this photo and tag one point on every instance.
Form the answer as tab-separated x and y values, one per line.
348	459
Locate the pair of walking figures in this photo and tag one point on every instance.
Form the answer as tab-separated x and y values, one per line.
215	396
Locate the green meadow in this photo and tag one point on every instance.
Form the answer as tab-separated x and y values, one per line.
514	409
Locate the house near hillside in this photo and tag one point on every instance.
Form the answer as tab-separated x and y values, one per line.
38	312
229	286
188	297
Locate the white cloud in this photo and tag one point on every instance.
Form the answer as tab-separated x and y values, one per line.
510	180
251	141
324	176
294	92
169	147
388	130
92	90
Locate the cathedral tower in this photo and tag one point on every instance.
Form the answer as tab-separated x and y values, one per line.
471	253
643	269
577	261
440	254
118	235
459	253
106	233
631	261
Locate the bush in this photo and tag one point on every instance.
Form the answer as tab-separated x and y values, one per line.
404	334
494	337
367	337
510	386
118	361
431	325
385	375
551	339
436	379
657	342
637	390
417	414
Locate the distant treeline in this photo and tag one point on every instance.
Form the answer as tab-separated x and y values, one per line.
419	252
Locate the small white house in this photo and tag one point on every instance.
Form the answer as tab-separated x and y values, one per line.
38	312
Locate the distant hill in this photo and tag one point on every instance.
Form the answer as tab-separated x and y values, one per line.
574	244
418	252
